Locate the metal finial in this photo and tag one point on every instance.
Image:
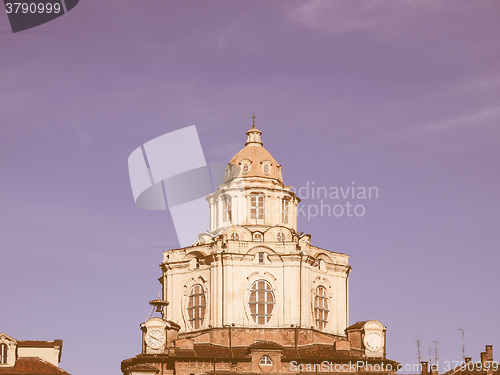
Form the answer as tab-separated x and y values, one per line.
253	117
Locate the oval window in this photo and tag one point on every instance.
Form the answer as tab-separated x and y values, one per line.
266	169
266	361
261	302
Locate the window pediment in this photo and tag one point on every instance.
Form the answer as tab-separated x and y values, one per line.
7	339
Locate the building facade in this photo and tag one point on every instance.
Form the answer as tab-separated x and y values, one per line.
29	356
252	294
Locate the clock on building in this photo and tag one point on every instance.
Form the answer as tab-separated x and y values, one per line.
155	339
374	342
374	338
154	335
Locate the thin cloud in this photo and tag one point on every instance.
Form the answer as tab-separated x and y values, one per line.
340	17
434	130
481	84
333	17
472	120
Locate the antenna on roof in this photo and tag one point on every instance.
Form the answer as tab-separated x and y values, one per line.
418	350
463	342
435	352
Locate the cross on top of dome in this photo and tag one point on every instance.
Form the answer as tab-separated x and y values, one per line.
253	134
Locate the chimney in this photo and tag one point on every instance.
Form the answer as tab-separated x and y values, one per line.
425	369
489	352
483	359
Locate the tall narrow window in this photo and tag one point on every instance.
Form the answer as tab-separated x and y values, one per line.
3	354
196	306
257	206
226	210
262	257
261	302
285	207
321	308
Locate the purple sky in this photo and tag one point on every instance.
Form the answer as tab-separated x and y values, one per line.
401	95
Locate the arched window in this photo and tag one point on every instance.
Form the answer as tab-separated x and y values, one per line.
266	361
257	236
196	306
280	237
285	208
3	354
257	206
234	236
321	308
261	302
226	209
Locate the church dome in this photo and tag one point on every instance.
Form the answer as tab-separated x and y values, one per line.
253	160
253	193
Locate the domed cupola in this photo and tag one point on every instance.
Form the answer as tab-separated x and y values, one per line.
253	193
253	160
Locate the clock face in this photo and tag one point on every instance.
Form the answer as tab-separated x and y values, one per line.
374	342
155	339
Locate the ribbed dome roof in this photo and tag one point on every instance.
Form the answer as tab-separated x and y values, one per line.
253	160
